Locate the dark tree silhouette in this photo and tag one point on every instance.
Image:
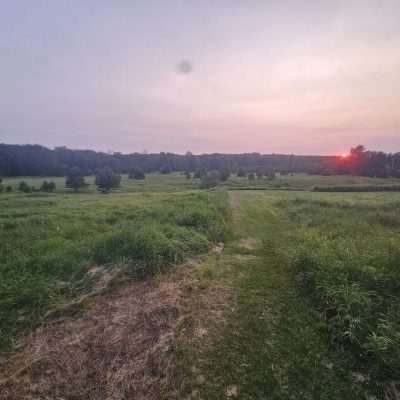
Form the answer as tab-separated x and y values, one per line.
224	175
136	173
34	160
75	179
241	173
209	181
106	180
48	187
24	187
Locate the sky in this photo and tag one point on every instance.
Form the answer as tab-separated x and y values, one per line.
232	76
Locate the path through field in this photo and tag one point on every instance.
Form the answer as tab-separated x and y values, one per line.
271	346
231	324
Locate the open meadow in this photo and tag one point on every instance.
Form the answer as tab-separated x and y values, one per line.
296	293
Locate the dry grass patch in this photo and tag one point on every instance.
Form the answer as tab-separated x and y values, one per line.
249	243
120	347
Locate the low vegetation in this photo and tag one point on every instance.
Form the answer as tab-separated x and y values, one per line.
358	188
49	241
347	255
304	298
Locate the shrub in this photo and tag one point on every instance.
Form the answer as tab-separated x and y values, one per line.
209	181
24	187
260	173
166	169
270	174
224	175
199	173
75	179
136	173
48	187
241	173
106	180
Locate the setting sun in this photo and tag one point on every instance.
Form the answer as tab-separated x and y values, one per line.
344	155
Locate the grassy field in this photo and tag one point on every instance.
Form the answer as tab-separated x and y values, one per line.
317	299
49	241
347	253
306	182
153	183
156	182
314	307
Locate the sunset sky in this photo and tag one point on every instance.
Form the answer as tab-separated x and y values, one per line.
304	77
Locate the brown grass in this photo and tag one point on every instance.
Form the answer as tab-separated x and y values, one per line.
120	347
249	243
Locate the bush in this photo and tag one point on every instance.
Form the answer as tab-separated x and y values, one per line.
75	179
166	169
24	187
199	173
224	175
106	180
209	181
260	173
271	175
241	173
136	173
48	187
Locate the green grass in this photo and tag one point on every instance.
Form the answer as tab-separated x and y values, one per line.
317	302
307	182
48	242
347	255
325	263
154	182
272	346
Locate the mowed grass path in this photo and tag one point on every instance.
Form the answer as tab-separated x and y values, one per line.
273	346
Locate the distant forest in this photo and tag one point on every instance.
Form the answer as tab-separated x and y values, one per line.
36	160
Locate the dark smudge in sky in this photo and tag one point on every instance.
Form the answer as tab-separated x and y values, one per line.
184	67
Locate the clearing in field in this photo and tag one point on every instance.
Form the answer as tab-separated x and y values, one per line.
267	294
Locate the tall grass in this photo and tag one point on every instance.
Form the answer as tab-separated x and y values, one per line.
347	256
48	243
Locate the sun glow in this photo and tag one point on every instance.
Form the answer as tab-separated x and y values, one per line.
344	155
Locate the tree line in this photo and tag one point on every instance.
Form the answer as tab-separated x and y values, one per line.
36	160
